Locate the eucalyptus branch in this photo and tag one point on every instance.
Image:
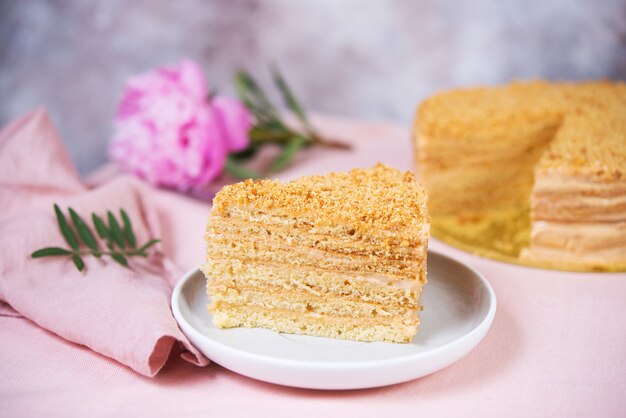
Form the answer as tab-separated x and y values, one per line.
271	128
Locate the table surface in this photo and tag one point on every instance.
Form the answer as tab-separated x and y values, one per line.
556	348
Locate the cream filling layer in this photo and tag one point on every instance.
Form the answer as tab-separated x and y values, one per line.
311	255
557	182
376	279
571	242
560	197
382	280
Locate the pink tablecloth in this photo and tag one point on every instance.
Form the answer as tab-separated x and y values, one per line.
557	346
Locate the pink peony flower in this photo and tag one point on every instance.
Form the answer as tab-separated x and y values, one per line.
169	133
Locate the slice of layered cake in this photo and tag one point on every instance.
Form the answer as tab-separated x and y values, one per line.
341	255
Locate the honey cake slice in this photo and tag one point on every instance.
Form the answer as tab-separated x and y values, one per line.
341	255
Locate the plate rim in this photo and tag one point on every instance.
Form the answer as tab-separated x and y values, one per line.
481	327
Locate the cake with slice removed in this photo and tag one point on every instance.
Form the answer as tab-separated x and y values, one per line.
532	172
341	255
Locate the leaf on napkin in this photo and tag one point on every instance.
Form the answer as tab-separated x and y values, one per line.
147	245
50	252
66	231
85	243
78	262
128	229
120	259
84	232
116	231
103	231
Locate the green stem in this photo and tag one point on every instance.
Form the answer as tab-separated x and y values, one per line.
312	139
315	139
330	143
124	253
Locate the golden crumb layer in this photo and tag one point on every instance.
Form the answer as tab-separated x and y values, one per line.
591	118
362	201
468	114
591	144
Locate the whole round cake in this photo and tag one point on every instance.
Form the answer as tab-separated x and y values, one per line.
532	172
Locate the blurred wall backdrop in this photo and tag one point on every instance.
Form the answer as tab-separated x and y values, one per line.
368	59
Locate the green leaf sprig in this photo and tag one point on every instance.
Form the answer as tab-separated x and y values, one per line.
269	127
117	236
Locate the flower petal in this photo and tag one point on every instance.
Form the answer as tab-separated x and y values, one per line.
192	79
235	120
168	133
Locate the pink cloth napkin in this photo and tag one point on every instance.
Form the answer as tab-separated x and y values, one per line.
121	313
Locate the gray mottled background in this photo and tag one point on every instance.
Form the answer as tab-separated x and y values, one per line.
368	59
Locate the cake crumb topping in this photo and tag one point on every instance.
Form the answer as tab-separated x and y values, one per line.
590	117
379	197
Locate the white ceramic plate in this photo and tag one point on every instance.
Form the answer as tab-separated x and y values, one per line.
459	306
